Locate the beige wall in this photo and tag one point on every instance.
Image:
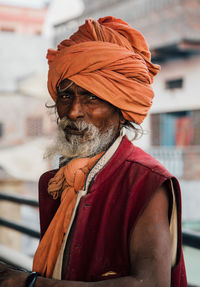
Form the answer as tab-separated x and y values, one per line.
15	109
10	211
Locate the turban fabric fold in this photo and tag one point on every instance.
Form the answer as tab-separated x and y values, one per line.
109	59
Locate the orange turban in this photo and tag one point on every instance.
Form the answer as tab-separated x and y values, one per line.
111	60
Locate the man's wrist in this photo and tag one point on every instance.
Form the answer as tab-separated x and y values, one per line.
31	279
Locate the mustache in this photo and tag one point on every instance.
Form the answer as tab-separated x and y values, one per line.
72	145
78	127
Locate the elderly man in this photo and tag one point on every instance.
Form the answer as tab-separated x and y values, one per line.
111	214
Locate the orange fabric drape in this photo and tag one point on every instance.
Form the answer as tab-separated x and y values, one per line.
111	60
67	182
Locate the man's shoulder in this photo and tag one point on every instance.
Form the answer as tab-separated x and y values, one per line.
139	157
44	180
47	175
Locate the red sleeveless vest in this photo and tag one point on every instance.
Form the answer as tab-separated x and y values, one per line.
107	215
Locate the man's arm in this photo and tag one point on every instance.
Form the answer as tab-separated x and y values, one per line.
150	254
150	247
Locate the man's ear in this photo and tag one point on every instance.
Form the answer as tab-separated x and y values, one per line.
122	119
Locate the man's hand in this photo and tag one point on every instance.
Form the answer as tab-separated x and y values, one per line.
10	277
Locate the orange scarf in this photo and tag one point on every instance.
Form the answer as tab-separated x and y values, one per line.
111	60
67	182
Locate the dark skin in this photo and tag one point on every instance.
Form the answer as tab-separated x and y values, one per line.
150	245
79	104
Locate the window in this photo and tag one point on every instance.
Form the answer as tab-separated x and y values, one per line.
34	126
174	84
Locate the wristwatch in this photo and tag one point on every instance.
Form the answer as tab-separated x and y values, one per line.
31	279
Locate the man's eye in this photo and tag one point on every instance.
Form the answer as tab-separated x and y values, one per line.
92	97
64	97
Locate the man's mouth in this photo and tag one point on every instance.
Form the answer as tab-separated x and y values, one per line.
72	130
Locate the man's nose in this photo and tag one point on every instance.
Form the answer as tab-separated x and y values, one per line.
76	109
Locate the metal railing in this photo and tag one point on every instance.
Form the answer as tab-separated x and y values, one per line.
191	239
20	228
171	157
13	225
182	162
18	199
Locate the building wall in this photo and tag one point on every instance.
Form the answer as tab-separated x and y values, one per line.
21	19
172	100
176	111
176	114
21	57
162	22
21	113
185	98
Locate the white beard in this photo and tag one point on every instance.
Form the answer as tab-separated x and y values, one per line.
75	146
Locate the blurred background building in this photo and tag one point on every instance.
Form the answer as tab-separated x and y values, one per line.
172	133
24	123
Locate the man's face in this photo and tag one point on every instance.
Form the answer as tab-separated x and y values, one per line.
88	125
79	105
